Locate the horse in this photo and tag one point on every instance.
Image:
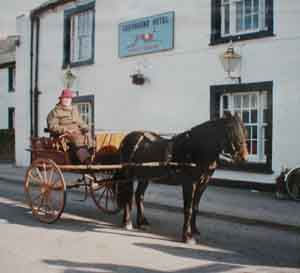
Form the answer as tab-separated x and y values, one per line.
196	151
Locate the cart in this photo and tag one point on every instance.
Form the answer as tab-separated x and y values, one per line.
46	187
45	183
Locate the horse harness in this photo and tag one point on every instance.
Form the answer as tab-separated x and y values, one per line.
151	138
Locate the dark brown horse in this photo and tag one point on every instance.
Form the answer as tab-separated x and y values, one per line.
201	145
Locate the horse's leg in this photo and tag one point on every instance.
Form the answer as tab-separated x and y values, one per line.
126	192
200	188
139	199
188	190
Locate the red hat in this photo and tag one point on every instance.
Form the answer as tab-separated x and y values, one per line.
66	93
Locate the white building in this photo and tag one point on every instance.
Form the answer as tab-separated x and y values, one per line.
7	81
186	84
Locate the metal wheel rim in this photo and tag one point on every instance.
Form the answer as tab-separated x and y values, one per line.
293	187
45	190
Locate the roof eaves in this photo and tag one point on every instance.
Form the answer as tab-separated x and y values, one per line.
50	4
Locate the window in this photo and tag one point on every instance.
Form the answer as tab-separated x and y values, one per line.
11	118
79	35
11	79
85	105
252	108
253	103
241	19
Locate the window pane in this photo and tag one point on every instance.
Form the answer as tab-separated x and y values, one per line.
246	101
254	116
226	19
225	102
254	147
264	100
255	6
248	6
254	101
254	132
265	115
248	128
249	146
255	21
246	117
239	16
247	22
237	101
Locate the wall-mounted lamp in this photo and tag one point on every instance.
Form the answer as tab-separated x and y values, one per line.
69	78
230	61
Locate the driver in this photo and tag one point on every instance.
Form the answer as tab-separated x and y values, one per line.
65	119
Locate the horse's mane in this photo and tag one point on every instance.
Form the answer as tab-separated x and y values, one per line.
203	141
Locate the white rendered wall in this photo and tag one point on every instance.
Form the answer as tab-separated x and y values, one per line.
22	111
177	96
7	99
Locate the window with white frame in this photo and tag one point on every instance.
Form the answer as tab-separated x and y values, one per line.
240	19
81	36
79	31
242	16
85	112
85	106
252	108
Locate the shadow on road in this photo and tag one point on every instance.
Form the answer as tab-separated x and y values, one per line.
76	267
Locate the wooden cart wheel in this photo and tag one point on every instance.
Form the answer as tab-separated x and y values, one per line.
104	194
45	190
292	182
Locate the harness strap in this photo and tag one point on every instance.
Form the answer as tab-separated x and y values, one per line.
136	146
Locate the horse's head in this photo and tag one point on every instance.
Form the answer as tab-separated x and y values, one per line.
236	134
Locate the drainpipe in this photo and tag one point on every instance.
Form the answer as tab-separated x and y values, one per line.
34	89
36	82
31	77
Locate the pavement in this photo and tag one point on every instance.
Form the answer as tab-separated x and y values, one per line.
234	204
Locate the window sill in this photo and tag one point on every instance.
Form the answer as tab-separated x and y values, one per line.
242	37
81	63
250	167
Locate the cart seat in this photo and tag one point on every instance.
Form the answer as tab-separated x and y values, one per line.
107	147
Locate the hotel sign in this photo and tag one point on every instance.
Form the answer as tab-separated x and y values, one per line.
146	35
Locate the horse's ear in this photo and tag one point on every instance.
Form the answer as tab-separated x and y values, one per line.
227	114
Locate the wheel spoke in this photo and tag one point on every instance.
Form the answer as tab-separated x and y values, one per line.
106	199
41	204
45	172
35	179
49	204
100	186
40	175
101	195
51	175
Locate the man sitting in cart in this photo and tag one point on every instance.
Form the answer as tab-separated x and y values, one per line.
65	119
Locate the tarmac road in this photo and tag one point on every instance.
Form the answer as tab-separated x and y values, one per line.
86	240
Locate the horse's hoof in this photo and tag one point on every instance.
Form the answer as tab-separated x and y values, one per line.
128	226
144	225
189	240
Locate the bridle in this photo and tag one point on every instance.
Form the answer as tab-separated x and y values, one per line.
234	147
